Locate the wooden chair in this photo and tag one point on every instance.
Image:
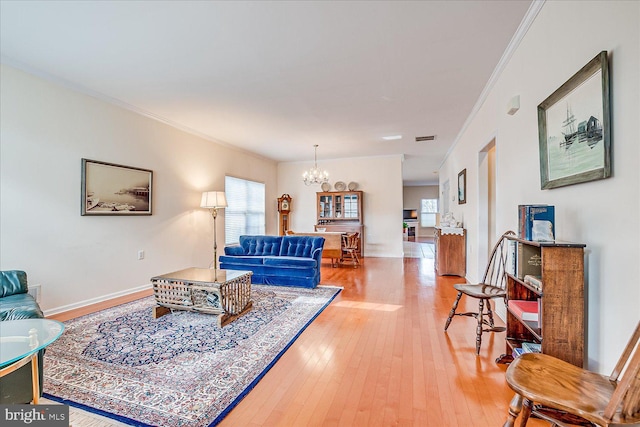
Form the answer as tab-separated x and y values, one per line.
493	285
350	248
559	389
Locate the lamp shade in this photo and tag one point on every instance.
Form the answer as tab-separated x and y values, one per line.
213	200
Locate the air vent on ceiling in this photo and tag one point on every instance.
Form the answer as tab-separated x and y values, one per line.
425	138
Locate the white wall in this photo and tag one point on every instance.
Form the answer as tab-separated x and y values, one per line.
46	130
381	180
603	214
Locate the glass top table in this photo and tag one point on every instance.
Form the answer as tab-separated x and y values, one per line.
203	275
20	341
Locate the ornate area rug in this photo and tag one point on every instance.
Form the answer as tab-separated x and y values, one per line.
180	369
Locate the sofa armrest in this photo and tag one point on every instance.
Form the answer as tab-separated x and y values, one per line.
317	255
234	250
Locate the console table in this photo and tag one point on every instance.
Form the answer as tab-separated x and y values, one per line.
226	293
451	251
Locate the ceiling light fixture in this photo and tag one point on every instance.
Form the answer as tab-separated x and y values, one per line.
392	137
314	175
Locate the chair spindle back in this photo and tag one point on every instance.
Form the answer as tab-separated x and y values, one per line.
627	375
494	274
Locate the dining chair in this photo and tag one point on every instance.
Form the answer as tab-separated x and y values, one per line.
493	286
565	394
350	243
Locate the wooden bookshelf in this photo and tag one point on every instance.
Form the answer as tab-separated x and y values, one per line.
561	325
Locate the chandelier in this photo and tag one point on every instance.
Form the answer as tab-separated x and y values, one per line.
315	175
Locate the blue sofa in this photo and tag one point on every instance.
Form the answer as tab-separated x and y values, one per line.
277	260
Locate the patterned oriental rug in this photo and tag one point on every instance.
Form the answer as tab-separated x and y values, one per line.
180	369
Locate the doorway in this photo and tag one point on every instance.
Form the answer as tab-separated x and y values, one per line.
444	198
486	203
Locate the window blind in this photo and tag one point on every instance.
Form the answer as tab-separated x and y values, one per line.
245	213
428	210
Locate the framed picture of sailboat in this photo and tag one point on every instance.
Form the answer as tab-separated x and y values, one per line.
574	128
110	189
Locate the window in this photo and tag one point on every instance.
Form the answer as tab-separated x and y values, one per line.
245	213
428	211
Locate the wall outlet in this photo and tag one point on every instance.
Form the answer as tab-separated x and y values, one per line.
140	254
34	291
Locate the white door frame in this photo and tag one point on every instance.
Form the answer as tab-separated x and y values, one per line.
486	204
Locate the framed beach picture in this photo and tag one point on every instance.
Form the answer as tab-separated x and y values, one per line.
110	189
462	187
574	128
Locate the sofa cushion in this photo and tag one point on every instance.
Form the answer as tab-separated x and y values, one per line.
289	261
270	271
300	246
261	245
12	282
19	306
242	259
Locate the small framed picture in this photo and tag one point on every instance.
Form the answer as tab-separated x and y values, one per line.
462	187
110	189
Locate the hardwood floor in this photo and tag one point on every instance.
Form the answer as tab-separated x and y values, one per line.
378	356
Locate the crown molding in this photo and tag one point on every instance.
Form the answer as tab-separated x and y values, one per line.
513	45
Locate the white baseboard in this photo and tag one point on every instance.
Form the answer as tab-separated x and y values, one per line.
103	298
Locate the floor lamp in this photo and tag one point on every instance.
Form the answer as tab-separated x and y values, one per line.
214	200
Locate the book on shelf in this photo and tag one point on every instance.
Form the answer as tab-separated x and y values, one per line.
518	351
523	219
510	266
536	222
525	310
528	261
531	347
534	281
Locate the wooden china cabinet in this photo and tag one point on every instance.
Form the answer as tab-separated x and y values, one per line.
341	211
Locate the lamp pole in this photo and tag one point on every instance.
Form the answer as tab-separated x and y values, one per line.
214	200
214	214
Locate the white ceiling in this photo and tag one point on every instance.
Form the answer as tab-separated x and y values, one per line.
275	78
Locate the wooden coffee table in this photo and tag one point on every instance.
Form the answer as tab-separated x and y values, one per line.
226	293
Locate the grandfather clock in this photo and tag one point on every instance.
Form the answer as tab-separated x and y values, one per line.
284	207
